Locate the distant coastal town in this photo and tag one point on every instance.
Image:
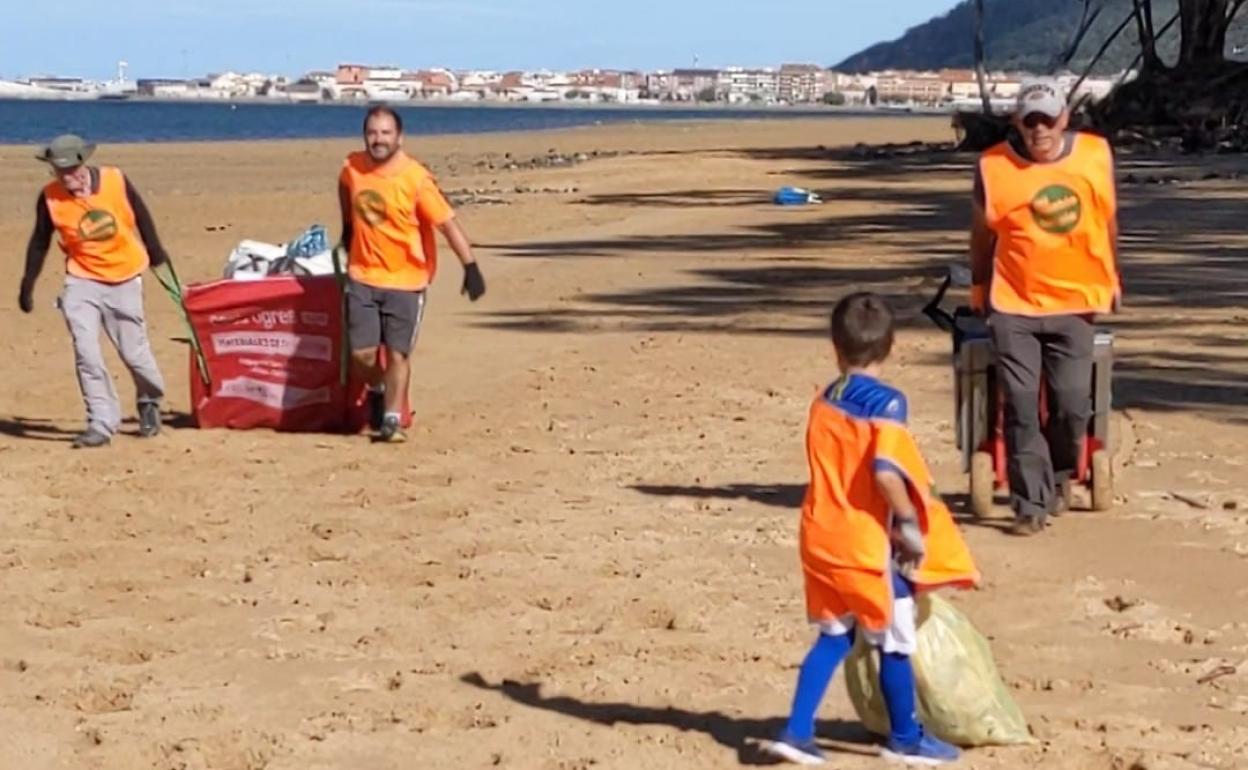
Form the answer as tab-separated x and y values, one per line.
789	84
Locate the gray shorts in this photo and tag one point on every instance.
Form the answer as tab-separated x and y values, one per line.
383	316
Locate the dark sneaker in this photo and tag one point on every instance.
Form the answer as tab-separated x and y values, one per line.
928	751
391	431
149	420
91	439
790	749
376	401
1025	526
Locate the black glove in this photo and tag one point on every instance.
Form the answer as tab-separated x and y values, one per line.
25	298
474	282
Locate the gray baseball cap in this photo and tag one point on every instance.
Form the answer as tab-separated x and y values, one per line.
1041	95
66	151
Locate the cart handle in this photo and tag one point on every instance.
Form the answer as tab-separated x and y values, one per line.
943	319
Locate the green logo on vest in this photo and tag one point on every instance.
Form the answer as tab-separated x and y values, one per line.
97	225
371	207
1057	209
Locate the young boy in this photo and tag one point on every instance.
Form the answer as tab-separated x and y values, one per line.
872	533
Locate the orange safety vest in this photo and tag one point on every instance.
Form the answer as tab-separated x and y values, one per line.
1054	251
393	214
845	544
98	233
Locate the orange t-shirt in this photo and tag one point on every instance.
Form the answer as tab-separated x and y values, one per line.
1055	252
394	210
97	233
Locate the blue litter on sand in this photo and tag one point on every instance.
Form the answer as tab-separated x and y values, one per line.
794	196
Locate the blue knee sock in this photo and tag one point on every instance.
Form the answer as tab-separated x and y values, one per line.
897	684
812	682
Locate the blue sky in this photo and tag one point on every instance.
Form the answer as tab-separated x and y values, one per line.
178	38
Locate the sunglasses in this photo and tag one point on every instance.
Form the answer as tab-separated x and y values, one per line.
1036	119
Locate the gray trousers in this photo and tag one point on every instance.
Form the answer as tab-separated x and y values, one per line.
90	306
1062	347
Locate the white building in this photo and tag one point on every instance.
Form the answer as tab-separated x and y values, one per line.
384	73
228	85
857	89
740	85
186	89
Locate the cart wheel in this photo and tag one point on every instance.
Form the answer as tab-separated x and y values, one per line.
983	484
1102	481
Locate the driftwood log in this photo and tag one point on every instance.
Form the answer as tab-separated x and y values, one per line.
1193	110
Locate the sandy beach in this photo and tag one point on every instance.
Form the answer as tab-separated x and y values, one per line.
586	555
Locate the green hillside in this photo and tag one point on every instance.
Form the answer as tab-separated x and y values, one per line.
1022	34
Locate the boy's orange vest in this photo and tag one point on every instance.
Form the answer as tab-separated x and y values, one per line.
845	544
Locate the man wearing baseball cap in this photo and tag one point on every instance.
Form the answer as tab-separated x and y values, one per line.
108	238
1044	262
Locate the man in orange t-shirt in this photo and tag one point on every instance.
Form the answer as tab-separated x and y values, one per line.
391	206
109	240
1044	264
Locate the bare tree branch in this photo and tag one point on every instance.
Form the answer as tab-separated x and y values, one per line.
1160	34
1104	47
1127	72
1144	27
1086	20
979	58
1204	26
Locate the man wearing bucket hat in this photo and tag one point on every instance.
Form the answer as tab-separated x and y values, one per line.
108	238
1044	262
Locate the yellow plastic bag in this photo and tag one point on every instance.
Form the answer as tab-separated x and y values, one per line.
961	698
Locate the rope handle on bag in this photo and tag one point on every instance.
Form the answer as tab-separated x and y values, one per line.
173	287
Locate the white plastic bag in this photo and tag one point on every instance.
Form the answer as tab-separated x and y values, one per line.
317	264
252	260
